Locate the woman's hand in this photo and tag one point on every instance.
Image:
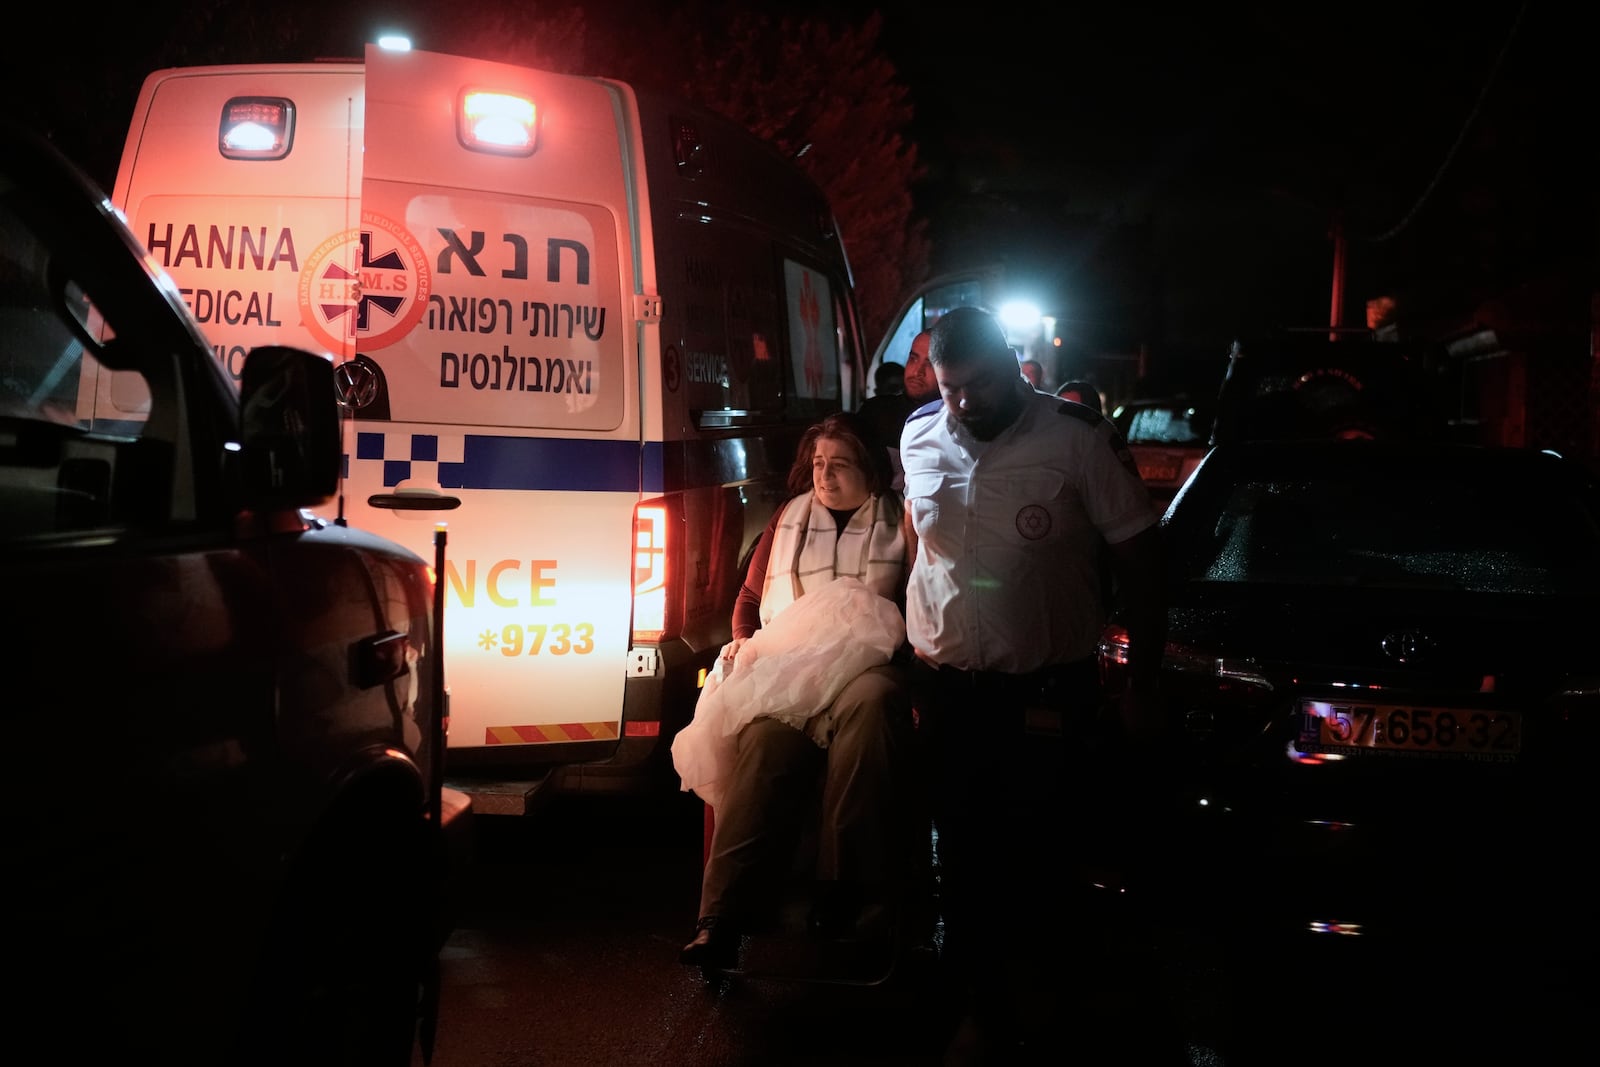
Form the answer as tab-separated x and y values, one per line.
731	649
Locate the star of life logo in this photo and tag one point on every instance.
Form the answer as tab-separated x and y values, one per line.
365	288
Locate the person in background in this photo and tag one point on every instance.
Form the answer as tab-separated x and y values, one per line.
1083	392
843	520
1033	371
1010	494
920	384
885	412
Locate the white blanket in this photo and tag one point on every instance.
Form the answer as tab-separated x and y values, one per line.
788	670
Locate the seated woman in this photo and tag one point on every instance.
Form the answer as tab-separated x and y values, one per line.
845	521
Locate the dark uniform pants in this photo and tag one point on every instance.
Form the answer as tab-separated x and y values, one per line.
1010	767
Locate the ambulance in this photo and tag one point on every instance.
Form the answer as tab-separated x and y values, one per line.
577	327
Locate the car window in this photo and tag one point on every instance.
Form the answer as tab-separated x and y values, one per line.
39	364
1175	424
1453	533
58	474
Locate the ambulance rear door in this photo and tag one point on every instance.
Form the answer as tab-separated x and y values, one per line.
489	294
232	177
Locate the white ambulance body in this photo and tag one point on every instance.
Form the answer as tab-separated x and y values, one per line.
588	350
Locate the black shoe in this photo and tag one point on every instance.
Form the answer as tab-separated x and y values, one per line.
715	946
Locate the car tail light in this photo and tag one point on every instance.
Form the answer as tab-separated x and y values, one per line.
1113	652
1180	658
652	566
1212	694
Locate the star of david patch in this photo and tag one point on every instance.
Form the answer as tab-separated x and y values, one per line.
1033	522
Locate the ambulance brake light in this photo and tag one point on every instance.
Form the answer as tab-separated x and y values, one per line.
256	127
498	122
649	572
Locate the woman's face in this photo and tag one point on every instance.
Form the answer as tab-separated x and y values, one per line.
837	476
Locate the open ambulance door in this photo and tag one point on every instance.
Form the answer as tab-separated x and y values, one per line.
981	287
492	301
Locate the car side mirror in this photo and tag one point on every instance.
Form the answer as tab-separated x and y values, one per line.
289	429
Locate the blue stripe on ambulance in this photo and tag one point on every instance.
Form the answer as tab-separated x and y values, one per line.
539	463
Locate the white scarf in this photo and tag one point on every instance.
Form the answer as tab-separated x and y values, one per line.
809	550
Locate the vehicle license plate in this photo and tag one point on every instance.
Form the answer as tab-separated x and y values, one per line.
1405	729
1158	472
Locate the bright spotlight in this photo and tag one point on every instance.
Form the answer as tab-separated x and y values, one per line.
1019	317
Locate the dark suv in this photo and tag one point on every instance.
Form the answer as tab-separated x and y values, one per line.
1306	384
223	714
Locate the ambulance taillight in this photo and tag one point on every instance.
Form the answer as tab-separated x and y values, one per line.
502	123
256	127
649	572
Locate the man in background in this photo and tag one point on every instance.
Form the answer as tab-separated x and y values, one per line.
920	385
885	411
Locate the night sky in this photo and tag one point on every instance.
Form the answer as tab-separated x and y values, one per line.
1194	164
1160	178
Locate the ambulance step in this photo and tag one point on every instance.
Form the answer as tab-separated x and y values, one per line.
496	797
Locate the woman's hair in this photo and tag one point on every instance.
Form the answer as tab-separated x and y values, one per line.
847	427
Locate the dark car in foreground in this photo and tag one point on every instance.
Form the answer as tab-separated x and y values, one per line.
1382	668
224	715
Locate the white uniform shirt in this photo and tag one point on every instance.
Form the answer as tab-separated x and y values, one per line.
1007	571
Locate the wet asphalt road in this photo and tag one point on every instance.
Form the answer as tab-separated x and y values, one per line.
568	926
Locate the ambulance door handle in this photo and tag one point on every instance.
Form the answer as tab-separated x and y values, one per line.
414	500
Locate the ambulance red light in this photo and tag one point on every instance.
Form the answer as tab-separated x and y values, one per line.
649	572
256	127
688	150
498	122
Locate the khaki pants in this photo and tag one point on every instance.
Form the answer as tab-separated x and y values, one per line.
866	793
